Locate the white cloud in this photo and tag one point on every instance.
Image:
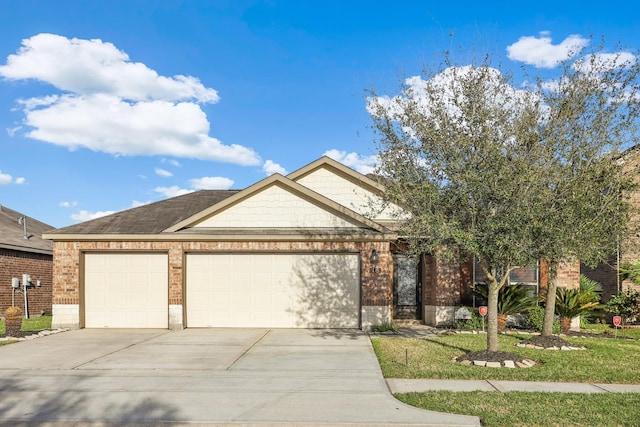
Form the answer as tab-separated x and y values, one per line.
12	131
86	215
445	92
163	172
112	105
211	183
172	162
136	203
66	204
93	66
271	167
6	179
541	53
172	191
605	61
362	164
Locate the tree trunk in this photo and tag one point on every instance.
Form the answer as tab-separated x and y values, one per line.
550	301
565	324
492	314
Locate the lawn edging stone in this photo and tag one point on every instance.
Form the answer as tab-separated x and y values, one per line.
33	335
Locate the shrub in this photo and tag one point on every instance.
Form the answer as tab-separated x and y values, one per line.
386	327
473	324
535	320
629	271
625	304
512	299
582	302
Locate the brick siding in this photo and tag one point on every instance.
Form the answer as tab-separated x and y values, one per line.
376	280
40	267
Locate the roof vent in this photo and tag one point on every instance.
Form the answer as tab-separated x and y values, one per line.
22	220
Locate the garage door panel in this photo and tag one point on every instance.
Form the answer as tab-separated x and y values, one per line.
273	290
126	290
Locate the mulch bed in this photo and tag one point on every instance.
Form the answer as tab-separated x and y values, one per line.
547	341
490	356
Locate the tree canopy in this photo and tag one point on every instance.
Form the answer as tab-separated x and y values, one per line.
508	173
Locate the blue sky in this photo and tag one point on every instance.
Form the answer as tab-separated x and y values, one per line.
106	105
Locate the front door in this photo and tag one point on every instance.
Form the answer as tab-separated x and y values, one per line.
406	288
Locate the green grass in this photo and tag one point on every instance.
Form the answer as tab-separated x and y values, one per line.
32	324
534	409
606	360
621	332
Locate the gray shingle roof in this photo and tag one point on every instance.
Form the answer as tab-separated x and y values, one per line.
12	233
152	218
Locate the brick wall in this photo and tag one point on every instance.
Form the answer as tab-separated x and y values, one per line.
376	280
606	274
39	266
630	245
442	282
569	275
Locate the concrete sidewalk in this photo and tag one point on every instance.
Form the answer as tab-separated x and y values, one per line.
397	385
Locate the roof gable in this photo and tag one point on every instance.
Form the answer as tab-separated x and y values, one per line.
276	202
346	187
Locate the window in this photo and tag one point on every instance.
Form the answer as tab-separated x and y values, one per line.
528	276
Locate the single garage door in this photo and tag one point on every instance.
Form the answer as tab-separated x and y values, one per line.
126	290
273	290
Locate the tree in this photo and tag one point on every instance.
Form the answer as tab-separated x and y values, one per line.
481	167
591	114
457	152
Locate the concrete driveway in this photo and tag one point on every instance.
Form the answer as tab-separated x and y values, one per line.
204	376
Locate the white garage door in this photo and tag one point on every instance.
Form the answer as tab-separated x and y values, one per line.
126	291
273	290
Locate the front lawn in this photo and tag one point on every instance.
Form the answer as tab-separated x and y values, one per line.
534	409
32	324
606	360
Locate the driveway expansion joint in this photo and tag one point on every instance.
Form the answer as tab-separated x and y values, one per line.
248	349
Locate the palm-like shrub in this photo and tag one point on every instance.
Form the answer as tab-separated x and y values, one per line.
512	299
572	303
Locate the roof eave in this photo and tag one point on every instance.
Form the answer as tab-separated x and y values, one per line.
189	237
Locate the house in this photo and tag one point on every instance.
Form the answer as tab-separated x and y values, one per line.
314	249
295	251
607	274
24	252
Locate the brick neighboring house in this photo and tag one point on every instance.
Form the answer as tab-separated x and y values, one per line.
629	245
314	249
19	255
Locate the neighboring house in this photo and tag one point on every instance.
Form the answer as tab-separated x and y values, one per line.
24	252
629	245
308	250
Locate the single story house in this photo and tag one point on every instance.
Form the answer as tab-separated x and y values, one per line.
24	252
314	249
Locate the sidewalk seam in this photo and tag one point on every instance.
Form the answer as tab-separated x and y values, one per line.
493	385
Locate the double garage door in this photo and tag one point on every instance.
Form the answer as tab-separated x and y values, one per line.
225	290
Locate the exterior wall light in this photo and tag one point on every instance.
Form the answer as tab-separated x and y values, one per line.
374	257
